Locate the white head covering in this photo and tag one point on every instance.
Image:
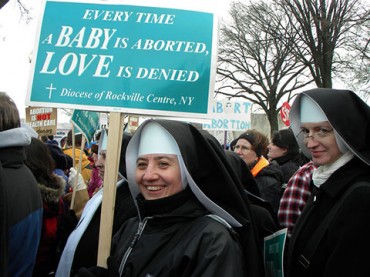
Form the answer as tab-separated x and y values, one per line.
103	142
311	111
151	135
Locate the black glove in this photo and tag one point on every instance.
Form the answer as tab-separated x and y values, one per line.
97	271
113	267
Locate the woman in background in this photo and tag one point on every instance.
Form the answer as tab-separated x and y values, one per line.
284	149
51	186
251	146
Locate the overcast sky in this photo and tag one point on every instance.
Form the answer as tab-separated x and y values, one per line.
16	43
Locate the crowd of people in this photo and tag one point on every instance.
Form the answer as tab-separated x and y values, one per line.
184	205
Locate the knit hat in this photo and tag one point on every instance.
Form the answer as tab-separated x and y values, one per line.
62	161
250	137
285	138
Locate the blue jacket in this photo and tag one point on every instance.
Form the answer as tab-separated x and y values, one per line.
21	210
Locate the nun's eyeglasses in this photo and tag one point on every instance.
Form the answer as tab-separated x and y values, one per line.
317	135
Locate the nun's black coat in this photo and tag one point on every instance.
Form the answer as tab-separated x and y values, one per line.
177	239
344	249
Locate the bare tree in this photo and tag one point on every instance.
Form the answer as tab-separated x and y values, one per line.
23	9
323	27
355	70
3	2
254	63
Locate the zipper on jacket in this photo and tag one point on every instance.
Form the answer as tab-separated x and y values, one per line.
137	236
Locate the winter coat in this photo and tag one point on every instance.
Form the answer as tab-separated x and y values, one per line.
177	238
343	251
288	169
289	164
47	255
269	181
21	206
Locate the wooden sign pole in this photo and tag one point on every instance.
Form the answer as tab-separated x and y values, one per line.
110	180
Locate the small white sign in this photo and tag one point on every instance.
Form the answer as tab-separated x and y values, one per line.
230	116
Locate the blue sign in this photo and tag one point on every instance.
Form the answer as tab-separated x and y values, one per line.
137	59
86	122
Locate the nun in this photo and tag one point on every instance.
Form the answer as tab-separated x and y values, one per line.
331	237
191	212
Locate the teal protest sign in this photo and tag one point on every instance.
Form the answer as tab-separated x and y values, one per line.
86	122
274	253
104	56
